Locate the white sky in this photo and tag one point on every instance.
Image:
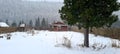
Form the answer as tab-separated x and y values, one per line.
47	0
118	0
52	0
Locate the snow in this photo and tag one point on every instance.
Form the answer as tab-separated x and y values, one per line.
2	24
22	25
50	42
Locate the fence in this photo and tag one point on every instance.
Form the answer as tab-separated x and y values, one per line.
107	32
7	29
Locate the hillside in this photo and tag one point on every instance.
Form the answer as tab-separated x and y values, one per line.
17	9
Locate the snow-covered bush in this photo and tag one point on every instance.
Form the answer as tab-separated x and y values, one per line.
8	36
98	46
63	41
66	42
31	32
115	43
80	45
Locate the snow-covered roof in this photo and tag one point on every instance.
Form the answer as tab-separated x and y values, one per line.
59	24
3	24
22	25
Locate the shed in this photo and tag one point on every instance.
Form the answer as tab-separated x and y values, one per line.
59	26
22	27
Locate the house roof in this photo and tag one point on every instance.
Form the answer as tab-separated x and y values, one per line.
22	25
59	24
3	24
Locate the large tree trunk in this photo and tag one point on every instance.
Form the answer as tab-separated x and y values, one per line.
86	37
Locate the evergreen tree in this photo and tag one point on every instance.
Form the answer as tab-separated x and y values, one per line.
7	21
47	23
22	22
31	23
14	24
19	23
89	14
37	22
43	23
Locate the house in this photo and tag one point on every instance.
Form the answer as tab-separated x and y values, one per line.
3	24
21	27
59	26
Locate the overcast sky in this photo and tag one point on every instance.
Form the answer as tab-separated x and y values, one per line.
47	0
52	0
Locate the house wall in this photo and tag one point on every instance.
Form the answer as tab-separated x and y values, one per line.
55	28
60	28
64	28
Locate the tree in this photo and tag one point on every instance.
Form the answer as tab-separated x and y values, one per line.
31	23
19	23
43	23
7	21
89	14
14	24
47	23
22	22
37	22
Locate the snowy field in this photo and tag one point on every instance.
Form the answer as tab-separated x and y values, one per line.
49	42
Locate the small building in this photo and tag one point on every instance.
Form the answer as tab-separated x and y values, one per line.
59	26
21	27
24	27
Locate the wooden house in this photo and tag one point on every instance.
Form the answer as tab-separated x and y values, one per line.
59	26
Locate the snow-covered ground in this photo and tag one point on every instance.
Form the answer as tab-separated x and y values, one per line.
49	42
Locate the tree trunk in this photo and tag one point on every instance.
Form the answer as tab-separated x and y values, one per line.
86	37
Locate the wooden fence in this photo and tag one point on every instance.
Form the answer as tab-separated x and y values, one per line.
107	32
7	29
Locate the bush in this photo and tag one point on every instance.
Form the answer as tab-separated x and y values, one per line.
8	36
66	42
115	43
98	46
31	32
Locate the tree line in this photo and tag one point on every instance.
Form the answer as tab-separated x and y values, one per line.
39	22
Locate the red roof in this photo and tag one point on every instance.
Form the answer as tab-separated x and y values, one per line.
59	23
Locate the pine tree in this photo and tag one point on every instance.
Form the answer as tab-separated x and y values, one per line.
43	23
14	24
31	23
89	14
7	21
37	22
19	23
47	23
22	22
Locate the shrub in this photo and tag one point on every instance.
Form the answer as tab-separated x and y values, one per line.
115	43
66	42
8	36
